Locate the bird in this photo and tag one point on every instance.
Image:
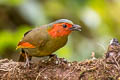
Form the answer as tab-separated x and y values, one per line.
45	40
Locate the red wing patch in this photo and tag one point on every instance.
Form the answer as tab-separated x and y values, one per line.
25	45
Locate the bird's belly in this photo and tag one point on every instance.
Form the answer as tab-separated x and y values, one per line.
36	52
50	47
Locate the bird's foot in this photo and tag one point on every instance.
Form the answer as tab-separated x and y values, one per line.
53	55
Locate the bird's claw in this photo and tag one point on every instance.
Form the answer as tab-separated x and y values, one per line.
54	56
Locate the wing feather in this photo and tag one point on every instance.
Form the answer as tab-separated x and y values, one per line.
34	38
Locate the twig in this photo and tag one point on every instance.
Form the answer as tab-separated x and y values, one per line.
40	73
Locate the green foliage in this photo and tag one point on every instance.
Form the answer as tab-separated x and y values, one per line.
10	39
65	52
11	2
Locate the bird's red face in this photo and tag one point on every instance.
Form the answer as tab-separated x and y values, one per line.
62	29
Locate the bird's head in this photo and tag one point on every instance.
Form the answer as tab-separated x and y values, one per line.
62	27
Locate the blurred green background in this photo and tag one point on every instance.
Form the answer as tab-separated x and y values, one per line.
100	21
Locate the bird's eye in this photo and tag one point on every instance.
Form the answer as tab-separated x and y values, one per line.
64	25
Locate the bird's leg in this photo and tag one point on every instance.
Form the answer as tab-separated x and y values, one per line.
22	56
28	59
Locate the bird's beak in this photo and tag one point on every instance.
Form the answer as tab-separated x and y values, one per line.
75	27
